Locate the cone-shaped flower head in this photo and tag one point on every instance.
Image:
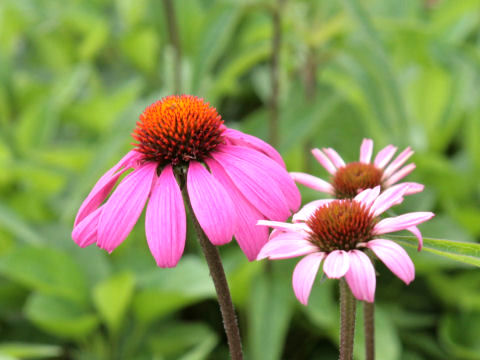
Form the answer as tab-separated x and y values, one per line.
233	179
338	232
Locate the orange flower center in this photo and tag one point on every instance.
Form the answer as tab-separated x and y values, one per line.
177	129
349	180
341	225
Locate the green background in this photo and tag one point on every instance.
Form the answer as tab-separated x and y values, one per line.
74	77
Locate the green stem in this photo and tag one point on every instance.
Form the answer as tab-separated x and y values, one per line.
221	286
174	40
347	321
369	320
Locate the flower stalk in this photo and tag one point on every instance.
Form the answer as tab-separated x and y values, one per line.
369	321
347	321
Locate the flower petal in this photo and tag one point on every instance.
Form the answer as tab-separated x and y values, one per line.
394	257
240	138
286	249
308	209
334	157
413	188
336	264
324	161
390	197
304	274
211	204
399	161
299	227
401	222
312	182
361	276
165	220
414	230
368	196
400	174
85	232
366	150
384	156
124	206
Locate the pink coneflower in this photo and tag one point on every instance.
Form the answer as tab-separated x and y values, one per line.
233	179
339	232
348	179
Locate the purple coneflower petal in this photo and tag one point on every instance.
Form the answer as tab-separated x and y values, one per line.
400	174
104	185
85	232
249	236
256	185
334	157
121	211
413	188
240	138
324	161
302	227
211	204
390	197
399	161
368	196
361	276
336	264
304	274
366	150
394	257
384	156
414	230
286	246
312	182
308	209
401	222
165	220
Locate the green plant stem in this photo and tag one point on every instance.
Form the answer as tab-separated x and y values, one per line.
369	320
174	40
221	286
347	321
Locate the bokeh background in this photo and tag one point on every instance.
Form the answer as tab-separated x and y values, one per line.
74	77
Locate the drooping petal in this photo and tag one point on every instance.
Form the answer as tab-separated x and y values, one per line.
361	276
400	174
249	236
334	157
85	232
384	156
401	222
336	264
414	230
312	182
276	172
324	161
308	209
304	274
394	257
286	249
165	220
368	196
366	150
104	185
256	185
211	204
390	197
399	161
240	138
124	206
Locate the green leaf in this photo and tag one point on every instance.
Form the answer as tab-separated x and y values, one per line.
112	298
459	334
19	227
468	253
20	350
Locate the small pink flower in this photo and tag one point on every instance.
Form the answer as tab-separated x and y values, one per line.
233	179
348	179
338	232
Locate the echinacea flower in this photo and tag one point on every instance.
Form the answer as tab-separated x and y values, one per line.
233	179
338	232
348	179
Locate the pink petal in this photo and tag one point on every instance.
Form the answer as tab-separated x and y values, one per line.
368	196
256	185
336	264
312	182
334	157
366	150
304	274
211	204
104	185
249	236
299	227
361	276
384	156
240	138
414	230
400	174
399	161
413	188
276	172
286	249
123	208
401	222
308	210
165	220
85	232
394	257
390	197
324	161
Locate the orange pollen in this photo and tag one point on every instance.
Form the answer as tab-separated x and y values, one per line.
349	180
177	129
341	225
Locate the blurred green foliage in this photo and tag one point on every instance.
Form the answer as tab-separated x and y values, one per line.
75	75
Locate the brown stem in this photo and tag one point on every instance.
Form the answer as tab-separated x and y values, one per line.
347	321
174	40
221	286
369	320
